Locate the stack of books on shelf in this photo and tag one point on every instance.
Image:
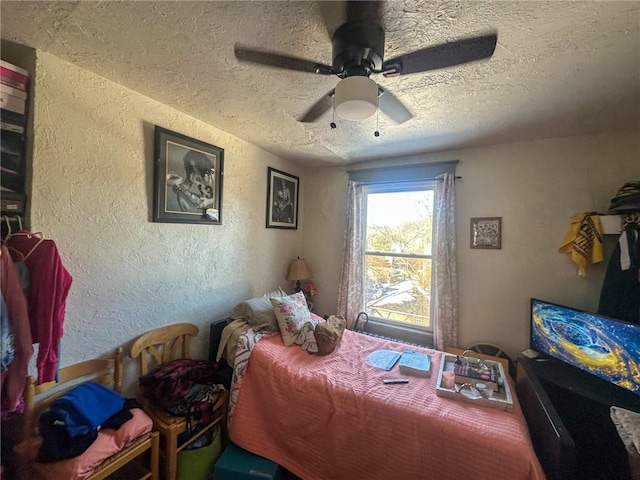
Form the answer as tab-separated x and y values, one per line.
415	363
477	371
14	83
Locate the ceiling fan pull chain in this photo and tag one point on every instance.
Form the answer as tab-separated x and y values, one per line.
333	111
377	132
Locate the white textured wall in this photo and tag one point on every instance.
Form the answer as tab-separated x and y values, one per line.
93	192
536	187
325	219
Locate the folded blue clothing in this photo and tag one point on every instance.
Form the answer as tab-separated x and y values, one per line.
84	408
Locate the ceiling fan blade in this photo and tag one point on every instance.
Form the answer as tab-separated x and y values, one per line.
441	56
320	107
392	107
278	60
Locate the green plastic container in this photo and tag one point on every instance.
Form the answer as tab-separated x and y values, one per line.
197	464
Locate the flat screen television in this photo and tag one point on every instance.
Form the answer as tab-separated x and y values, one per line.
601	346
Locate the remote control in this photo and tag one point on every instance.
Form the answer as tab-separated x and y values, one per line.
395	380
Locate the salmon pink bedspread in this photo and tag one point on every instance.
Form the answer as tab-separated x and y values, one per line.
332	418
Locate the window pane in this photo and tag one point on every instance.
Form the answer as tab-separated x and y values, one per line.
399	225
400	222
399	289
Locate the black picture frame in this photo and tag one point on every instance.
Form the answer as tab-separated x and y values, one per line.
282	199
486	232
187	179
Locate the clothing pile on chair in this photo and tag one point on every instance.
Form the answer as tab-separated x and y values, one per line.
184	387
71	424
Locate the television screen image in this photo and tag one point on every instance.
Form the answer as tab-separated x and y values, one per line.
607	348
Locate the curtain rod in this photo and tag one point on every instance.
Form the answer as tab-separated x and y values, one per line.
428	179
403	173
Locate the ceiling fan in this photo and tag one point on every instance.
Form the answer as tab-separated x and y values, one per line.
358	52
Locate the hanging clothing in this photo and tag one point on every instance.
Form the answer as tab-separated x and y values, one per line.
583	241
620	295
7	351
49	286
15	376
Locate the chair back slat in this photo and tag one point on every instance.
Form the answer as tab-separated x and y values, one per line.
154	352
178	348
162	345
38	398
96	368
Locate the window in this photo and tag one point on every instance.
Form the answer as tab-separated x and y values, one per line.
398	255
390	277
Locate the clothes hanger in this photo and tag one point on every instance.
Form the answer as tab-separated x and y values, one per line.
15	253
34	247
6	237
28	234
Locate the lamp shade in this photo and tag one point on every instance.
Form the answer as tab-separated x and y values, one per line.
298	270
356	98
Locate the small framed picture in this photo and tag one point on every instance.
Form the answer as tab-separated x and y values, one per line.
282	199
486	232
187	179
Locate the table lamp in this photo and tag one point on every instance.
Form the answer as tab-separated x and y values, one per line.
298	271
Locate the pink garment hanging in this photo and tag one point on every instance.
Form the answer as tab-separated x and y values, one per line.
49	287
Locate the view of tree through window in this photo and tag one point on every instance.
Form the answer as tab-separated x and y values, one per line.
398	255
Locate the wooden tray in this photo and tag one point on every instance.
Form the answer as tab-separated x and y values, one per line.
501	400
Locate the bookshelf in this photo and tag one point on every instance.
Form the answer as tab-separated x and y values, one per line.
16	134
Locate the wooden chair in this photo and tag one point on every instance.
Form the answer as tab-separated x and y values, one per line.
38	398
155	348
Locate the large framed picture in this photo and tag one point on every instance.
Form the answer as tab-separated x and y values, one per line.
282	199
187	179
486	232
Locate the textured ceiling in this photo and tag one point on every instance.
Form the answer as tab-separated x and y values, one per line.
560	68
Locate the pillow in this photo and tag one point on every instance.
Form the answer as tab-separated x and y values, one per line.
628	425
276	293
258	311
292	313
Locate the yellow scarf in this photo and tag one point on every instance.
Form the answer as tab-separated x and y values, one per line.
583	241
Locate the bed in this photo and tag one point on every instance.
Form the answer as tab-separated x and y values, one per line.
331	417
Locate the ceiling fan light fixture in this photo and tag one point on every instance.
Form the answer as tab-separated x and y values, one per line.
356	98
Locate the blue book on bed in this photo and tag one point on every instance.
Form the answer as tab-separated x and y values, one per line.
384	359
415	363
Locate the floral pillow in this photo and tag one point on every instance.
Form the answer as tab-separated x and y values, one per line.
292	313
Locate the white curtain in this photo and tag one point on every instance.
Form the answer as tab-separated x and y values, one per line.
350	290
445	288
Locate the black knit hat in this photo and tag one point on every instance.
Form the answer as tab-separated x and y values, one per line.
627	199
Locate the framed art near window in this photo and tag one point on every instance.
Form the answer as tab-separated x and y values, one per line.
486	232
187	179
282	199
